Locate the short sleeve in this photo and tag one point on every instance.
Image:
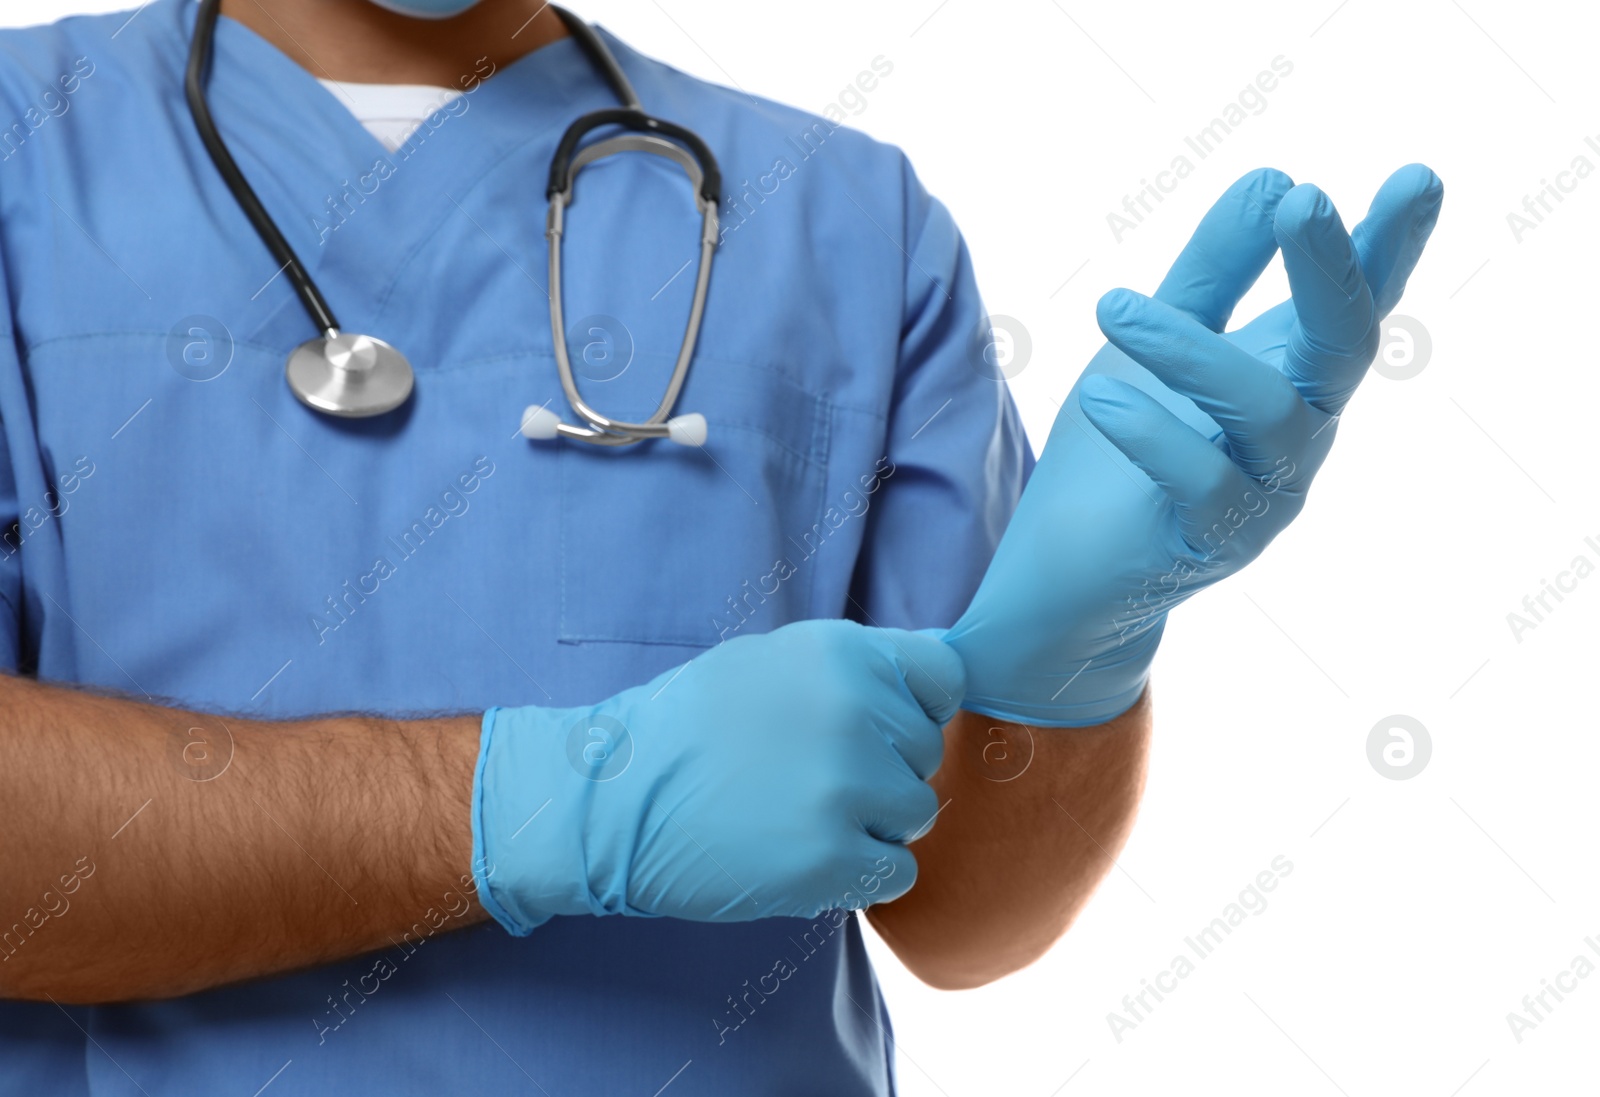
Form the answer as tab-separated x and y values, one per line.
957	454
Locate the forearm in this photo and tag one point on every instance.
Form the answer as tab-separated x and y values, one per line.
1031	820
272	847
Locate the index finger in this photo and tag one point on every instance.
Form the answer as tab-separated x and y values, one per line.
1230	248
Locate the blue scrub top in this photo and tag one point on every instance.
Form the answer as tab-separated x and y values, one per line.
182	528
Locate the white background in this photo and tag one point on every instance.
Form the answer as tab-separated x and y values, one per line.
1419	912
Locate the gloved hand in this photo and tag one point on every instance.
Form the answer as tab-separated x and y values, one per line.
773	775
1182	452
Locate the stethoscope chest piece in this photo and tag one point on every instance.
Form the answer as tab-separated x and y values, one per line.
352	376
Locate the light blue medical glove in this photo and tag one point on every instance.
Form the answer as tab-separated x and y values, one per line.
1181	452
773	775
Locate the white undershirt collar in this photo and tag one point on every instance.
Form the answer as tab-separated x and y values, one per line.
390	112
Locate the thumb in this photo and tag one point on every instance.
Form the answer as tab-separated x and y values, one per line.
930	668
1230	248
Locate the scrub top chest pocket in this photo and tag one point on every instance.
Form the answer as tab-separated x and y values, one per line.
665	544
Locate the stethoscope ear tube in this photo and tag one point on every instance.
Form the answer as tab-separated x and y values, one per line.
561	171
539	423
661	138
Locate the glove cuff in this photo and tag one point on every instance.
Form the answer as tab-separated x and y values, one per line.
1080	714
529	808
483	868
1060	689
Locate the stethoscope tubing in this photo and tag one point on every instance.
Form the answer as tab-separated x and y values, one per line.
331	379
198	69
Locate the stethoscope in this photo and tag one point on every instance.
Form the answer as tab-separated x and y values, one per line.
356	376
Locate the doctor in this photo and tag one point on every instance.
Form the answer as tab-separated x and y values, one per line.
362	749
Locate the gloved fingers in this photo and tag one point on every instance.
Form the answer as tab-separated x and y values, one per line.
1259	410
897	807
1198	477
1230	248
930	668
917	741
888	871
926	681
1396	229
1335	332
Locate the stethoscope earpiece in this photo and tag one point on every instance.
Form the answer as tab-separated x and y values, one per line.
687	430
540	424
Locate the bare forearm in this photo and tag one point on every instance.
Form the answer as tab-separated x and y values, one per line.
1031	821
150	852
